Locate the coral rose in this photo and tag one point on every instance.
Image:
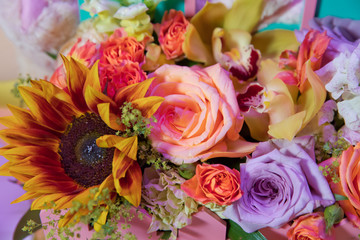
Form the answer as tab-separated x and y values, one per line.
199	118
172	33
214	183
114	77
349	173
310	226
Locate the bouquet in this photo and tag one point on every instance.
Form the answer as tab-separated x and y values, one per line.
191	126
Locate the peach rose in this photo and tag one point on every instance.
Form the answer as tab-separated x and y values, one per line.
214	183
172	33
200	116
349	173
310	226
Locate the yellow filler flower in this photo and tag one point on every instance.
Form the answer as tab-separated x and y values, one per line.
65	144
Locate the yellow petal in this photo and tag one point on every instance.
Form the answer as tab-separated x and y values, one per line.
287	128
76	74
108	117
195	49
26	196
101	220
92	78
125	145
314	96
133	92
148	105
244	15
4	169
131	184
272	43
207	19
94	97
258	125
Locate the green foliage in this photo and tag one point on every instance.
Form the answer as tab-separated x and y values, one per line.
333	214
134	122
148	155
235	232
21	81
187	171
331	171
326	150
98	202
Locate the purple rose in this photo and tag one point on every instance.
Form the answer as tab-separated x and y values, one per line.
280	182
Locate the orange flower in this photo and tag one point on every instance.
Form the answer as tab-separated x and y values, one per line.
119	48
310	226
114	77
214	183
349	173
65	144
312	48
172	33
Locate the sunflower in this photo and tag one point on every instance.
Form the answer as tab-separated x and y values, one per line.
65	143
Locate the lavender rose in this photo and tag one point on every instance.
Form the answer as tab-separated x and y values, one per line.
279	183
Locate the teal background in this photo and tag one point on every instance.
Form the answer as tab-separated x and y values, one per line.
337	8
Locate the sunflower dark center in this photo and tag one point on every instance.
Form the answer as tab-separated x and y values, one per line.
83	161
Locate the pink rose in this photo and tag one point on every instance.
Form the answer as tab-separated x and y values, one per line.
200	116
310	226
214	183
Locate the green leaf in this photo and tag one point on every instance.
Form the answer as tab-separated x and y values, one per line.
187	171
333	214
29	215
235	232
340	197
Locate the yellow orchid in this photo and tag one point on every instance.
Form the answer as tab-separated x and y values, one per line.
215	21
287	113
65	144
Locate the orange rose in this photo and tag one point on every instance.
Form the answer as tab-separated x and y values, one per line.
172	33
214	183
114	77
349	173
117	49
310	226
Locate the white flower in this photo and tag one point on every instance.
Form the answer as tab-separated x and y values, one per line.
131	11
342	75
350	111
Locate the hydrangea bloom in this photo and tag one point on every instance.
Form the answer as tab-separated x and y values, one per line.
170	207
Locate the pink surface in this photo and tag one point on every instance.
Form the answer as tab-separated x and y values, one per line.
309	13
205	225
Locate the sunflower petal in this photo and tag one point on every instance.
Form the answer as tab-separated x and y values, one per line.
126	145
76	76
26	196
94	97
133	91
101	220
4	169
92	78
148	105
42	109
108	117
131	184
